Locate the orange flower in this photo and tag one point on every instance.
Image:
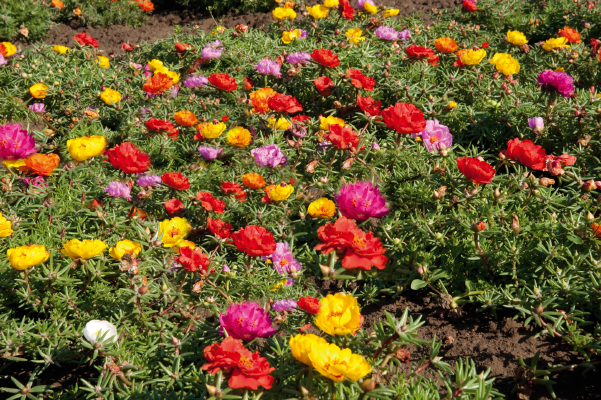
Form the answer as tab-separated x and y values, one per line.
445	45
57	4
146	5
41	164
260	98
77	11
253	181
158	83
138	213
185	118
571	34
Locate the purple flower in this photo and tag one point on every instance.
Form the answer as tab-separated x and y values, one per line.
404	34
212	50
303	33
361	201
118	189
283	260
174	91
269	156
289	282
196	81
297	130
268	67
387	33
38	181
246	321
361	3
435	136
298	58
209	153
560	81
536	123
283	305
148	180
38	107
15	142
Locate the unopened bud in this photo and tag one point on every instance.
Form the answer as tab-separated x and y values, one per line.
478	226
212	390
325	270
539	309
515	223
590	217
368	385
438	236
175	341
497	193
546	181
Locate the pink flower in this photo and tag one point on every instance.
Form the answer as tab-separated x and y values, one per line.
436	135
559	81
15	142
361	201
246	321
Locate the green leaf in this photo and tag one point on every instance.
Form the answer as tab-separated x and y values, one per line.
418	284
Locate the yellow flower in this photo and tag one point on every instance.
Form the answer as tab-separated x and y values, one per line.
239	137
282	124
38	91
86	147
155	65
288	36
354	36
6	227
85	249
319	11
217	30
324	123
330	3
24	257
281	193
337	364
103	62
301	346
124	247
14	163
279	285
60	49
473	57
212	131
338	314
184	243
452	104
560	69
174	231
322	208
10	49
516	37
171	74
282	13
110	96
370	8
390	12
505	64
555	43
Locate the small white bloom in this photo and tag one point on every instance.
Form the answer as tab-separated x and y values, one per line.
96	328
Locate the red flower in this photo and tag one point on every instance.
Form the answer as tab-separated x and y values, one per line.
281	103
248	83
309	304
192	260
255	241
175	180
128	158
157	84
342	138
324	85
346	10
160	126
404	118
421	53
85	40
301	119
183	47
173	206
361	250
476	170
528	153
369	105
470	6
225	118
127	47
210	203
485	45
219	228
360	81
555	164
325	58
595	45
249	370
235	189
223	82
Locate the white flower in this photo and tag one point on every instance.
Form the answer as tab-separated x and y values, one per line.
96	328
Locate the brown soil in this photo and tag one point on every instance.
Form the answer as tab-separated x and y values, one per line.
494	343
160	25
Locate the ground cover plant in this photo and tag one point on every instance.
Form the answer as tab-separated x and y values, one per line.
165	214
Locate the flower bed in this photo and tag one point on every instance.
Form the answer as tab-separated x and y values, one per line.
165	214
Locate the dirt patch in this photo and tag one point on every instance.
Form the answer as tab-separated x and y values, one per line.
160	25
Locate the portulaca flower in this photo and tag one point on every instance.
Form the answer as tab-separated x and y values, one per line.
95	328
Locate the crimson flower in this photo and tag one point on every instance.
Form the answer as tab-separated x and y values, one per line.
360	81
192	259
128	158
324	85
223	82
85	40
210	203
421	53
281	103
476	170
527	153
346	10
309	304
219	228
342	138
230	188
404	118
161	126
173	206
175	180
325	58
369	105
254	240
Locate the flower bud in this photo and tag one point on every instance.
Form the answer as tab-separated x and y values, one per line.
539	309
588	186
438	236
212	390
478	226
515	223
175	341
325	270
497	193
368	385
590	217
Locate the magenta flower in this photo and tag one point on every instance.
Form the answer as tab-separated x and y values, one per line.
268	67
404	34
361	3
436	135
246	321
38	181
209	153
283	260
118	189
38	107
269	156
298	58
283	305
148	180
361	201
387	33
196	81
559	81
536	123
15	142
212	50
375	146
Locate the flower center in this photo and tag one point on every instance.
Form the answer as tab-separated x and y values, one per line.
433	139
357	241
245	362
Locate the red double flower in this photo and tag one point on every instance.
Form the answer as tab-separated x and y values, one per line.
346	10
192	260
175	180
360	81
223	82
161	126
219	228
325	58
210	203
421	53
85	40
281	103
476	170
309	304
324	85
230	188
255	241
342	138
527	153
369	105
128	158
173	206
404	118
